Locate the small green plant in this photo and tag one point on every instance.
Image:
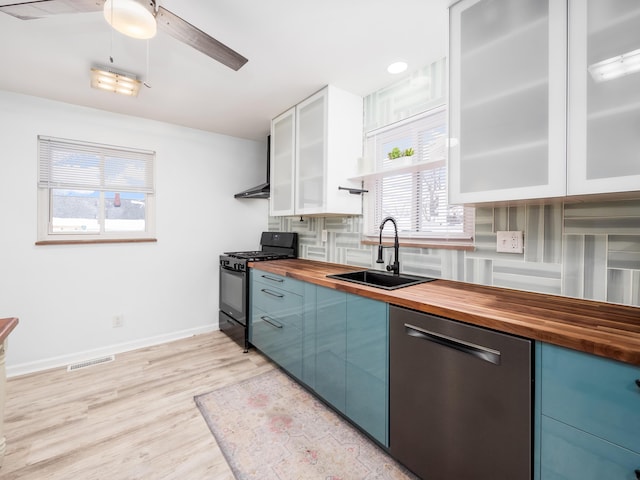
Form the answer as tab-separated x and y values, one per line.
397	153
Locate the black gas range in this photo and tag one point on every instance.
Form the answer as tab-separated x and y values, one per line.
233	316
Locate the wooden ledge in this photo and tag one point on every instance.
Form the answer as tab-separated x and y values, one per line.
6	326
96	241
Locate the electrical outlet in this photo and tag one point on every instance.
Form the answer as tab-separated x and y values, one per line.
324	235
117	321
510	242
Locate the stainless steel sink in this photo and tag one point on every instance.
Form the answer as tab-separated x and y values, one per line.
387	281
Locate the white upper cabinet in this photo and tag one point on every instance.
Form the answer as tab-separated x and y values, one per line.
311	132
536	109
282	158
604	108
327	143
507	100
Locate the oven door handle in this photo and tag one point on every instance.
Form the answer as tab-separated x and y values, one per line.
273	294
271	321
273	279
232	270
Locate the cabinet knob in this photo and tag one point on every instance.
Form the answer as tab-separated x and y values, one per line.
638	382
637	471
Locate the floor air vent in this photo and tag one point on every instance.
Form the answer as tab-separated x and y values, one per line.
90	363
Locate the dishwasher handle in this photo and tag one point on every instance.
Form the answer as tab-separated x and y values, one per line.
483	353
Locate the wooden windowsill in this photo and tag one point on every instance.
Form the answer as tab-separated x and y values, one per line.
96	241
440	244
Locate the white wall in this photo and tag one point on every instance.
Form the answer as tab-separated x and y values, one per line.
66	296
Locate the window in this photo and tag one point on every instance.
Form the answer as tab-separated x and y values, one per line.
92	192
413	188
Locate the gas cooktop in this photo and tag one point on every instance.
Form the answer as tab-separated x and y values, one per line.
274	246
257	256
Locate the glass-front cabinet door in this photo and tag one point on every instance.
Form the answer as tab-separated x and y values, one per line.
316	146
604	96
311	155
282	164
507	100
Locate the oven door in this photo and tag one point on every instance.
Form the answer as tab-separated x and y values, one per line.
233	295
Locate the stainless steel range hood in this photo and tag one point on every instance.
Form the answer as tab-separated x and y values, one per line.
259	191
262	190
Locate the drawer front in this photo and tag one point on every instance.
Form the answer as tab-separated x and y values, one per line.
278	281
594	394
278	338
571	454
275	301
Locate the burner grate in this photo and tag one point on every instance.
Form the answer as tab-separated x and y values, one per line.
257	256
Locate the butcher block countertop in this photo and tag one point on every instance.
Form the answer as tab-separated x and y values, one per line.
604	329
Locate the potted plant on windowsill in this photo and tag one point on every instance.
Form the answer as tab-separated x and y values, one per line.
401	157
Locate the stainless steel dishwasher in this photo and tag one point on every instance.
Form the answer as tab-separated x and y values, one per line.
460	399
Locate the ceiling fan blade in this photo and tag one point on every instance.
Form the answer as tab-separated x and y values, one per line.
193	36
44	8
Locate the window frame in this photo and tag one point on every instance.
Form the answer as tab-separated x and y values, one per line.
46	186
373	199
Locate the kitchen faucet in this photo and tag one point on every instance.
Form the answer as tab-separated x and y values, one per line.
395	266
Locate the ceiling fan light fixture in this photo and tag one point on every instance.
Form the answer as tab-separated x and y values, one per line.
134	18
117	82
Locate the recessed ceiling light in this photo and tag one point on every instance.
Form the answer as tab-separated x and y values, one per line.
397	67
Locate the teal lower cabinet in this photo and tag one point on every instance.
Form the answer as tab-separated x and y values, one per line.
335	343
590	416
277	323
352	359
367	366
571	454
331	347
343	351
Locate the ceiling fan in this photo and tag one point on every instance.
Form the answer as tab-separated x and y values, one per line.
135	18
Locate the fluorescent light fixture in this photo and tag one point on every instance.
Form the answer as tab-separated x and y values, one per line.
134	18
615	67
397	67
117	82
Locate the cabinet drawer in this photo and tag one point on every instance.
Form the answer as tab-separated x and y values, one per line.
278	281
569	454
275	301
592	393
280	338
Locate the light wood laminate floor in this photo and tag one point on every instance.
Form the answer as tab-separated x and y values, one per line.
133	418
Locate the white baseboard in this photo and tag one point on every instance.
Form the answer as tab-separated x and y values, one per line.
64	360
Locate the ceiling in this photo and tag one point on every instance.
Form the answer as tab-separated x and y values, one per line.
294	47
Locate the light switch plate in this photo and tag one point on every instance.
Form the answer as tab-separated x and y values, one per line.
510	242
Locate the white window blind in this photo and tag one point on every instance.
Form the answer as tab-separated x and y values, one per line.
70	164
89	191
413	189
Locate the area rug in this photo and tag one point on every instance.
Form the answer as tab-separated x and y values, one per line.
270	428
